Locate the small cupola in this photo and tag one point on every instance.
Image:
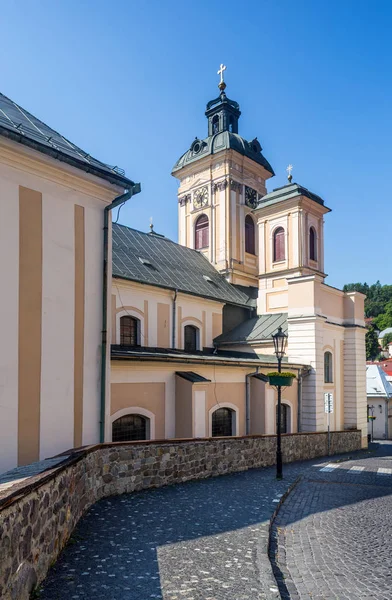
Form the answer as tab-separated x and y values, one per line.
222	113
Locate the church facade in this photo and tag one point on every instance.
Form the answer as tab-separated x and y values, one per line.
113	334
192	323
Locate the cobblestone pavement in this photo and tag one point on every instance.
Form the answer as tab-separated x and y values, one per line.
202	540
332	535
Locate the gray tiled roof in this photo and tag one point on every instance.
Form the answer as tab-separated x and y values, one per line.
254	330
21	126
156	260
287	192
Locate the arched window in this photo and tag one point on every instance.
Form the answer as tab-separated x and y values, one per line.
202	232
328	373
312	244
129	331
279	249
285	423
130	428
249	235
223	422
215	124
191	338
231	124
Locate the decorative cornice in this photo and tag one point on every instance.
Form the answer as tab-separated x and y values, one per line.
220	185
184	199
236	186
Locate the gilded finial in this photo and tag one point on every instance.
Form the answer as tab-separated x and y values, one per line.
221	84
151	226
289	175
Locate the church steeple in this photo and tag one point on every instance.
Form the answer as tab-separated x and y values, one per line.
222	113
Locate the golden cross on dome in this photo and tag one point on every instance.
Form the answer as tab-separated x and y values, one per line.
289	175
221	84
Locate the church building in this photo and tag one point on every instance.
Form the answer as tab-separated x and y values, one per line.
192	322
108	333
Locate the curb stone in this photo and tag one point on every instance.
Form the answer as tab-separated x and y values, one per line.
281	589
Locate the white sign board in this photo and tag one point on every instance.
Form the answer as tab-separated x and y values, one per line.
328	402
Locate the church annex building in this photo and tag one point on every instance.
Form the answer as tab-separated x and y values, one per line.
162	339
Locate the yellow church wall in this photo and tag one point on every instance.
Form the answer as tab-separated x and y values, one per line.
183	411
165	389
51	252
153	307
128	398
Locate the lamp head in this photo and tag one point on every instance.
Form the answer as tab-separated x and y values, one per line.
280	343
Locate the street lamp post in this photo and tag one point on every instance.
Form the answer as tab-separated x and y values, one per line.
280	342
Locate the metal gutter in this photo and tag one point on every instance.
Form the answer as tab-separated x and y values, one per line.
135	189
203	360
174	319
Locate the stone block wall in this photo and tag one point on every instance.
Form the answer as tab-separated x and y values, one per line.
38	517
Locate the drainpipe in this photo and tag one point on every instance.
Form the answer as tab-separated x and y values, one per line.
247	400
174	319
386	417
135	189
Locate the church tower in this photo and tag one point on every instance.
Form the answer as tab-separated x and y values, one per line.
222	178
290	223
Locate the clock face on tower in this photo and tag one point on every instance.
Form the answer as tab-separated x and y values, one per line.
250	197
200	197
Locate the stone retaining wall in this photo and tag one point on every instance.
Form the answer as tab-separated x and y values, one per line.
38	517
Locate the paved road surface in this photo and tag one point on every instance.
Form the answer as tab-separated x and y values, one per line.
333	534
207	540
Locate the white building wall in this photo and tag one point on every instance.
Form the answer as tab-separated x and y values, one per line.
62	187
9	269
57	352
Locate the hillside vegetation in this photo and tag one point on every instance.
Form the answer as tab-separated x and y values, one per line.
378	306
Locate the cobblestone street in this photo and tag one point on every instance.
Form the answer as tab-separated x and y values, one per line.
208	540
332	535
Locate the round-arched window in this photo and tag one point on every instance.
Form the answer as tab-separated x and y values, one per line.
328	371
279	246
130	428
312	244
202	232
223	422
249	235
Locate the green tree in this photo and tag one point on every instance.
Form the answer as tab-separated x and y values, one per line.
386	339
372	347
385	319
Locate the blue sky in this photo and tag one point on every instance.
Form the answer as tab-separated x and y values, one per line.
128	81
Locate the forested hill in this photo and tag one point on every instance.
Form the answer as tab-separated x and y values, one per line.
378	303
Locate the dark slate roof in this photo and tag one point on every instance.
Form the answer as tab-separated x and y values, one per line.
192	376
223	140
21	126
156	260
254	330
287	192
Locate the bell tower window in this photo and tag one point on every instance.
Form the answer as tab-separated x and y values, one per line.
215	125
279	245
249	235
312	244
202	232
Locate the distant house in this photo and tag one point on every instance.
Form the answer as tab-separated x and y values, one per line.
383	333
379	401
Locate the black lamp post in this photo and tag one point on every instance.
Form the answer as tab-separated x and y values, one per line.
280	342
